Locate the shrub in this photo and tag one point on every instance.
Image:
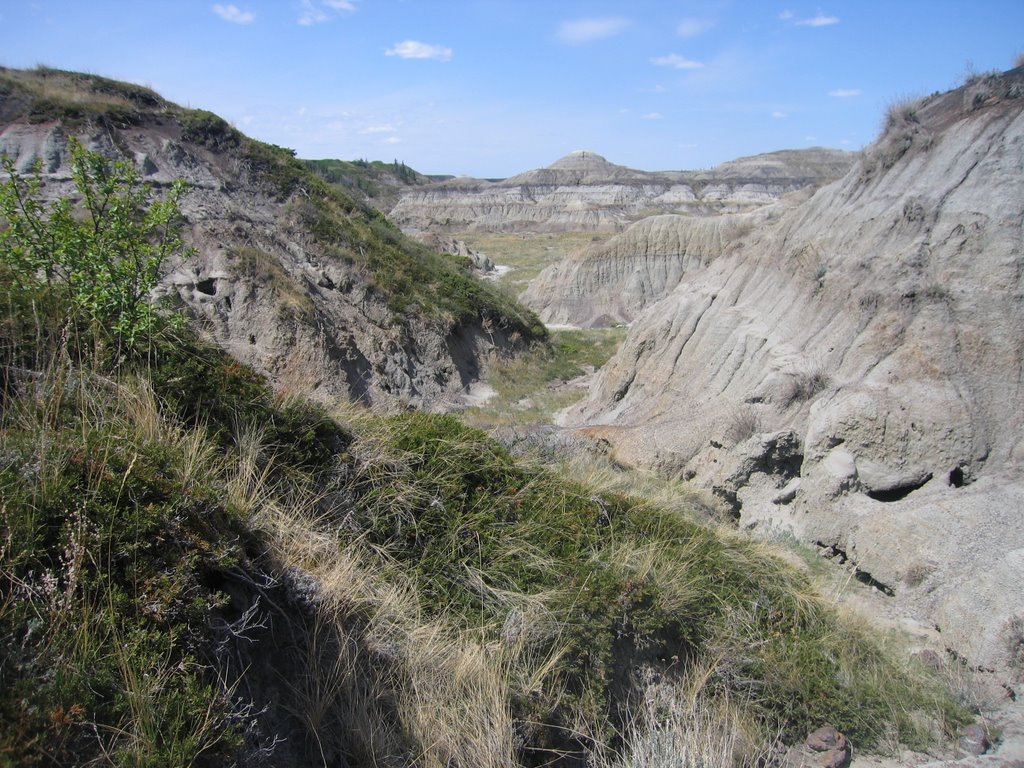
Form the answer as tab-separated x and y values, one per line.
103	264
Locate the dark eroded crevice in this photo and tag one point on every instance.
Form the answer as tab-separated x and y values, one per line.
207	286
898	492
834	552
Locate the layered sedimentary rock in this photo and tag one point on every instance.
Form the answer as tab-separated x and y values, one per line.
301	282
612	282
854	372
584	192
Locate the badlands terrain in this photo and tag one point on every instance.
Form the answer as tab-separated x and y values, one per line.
820	352
841	363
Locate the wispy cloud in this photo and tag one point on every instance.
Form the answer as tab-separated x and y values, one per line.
693	27
580	31
653	116
319	11
779	115
844	93
234	14
818	20
411	49
392	140
386	128
675	61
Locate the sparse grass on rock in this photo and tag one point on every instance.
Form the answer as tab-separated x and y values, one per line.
197	571
531	387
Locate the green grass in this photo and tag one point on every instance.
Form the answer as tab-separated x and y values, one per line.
530	387
125	493
379	182
527	254
631	585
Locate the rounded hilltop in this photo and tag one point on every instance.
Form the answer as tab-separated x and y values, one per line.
581	160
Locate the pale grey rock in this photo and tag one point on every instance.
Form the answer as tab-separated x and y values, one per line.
480	261
585	192
882	323
612	282
264	289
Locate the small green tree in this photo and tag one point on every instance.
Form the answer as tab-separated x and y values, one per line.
101	255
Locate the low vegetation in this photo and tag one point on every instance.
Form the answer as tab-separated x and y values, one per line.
418	284
195	571
376	181
531	387
527	254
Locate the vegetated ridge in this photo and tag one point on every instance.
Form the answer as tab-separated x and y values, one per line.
196	571
289	273
377	183
852	371
585	192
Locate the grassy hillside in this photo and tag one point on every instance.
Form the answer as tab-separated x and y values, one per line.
196	571
419	285
377	182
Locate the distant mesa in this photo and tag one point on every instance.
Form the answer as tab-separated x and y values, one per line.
583	191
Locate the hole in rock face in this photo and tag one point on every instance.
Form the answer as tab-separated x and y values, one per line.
956	477
207	286
866	578
898	492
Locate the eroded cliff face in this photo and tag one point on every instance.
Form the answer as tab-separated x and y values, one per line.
585	192
854	372
612	282
283	281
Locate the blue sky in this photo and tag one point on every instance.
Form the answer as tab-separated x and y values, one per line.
494	87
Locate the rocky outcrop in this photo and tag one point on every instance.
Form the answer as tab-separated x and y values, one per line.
477	259
585	192
853	371
303	283
612	282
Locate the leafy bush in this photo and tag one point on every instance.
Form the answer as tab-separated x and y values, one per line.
102	264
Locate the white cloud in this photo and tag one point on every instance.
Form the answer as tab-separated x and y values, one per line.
653	116
779	115
693	27
313	10
392	140
386	128
821	20
587	30
818	20
411	49
844	93
675	61
234	14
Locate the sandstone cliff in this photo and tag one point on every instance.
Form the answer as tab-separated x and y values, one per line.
854	372
583	192
289	275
